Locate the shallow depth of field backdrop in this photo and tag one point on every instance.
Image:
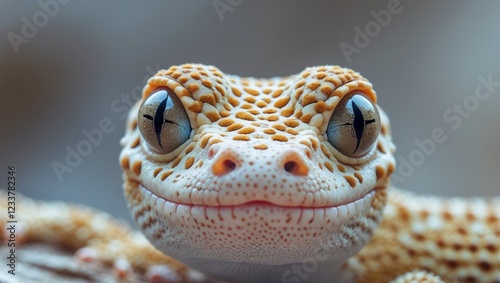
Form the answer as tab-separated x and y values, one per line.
68	66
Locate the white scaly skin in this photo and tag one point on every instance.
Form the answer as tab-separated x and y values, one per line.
256	192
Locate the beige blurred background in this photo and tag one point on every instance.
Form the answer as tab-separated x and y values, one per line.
86	56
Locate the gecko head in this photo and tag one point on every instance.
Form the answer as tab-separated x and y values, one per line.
268	172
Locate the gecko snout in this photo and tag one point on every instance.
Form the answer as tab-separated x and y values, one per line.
290	160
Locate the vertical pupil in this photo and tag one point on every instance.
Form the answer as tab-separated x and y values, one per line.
163	122
349	129
358	124
158	120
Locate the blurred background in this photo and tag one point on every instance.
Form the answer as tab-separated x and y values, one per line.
67	66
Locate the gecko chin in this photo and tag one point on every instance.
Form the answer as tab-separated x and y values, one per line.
255	235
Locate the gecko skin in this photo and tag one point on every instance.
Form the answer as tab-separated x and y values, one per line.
274	180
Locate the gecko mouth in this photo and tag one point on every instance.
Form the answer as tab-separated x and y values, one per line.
352	203
258	229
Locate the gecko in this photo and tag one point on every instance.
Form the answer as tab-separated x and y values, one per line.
286	179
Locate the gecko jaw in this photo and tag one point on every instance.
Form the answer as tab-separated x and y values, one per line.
193	232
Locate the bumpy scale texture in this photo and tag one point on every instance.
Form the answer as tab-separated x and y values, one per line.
257	188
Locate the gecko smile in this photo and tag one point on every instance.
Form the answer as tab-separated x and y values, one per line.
181	227
345	207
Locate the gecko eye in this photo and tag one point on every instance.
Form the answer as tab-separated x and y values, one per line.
354	125
163	122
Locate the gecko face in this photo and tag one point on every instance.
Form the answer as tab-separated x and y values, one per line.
257	171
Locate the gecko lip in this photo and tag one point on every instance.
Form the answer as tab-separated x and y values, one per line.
262	203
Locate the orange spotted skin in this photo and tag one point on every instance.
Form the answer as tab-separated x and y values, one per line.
257	193
455	238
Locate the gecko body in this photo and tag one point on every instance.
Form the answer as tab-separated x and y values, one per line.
278	180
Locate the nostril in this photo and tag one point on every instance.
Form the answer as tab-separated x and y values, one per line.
297	168
290	166
223	166
229	165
